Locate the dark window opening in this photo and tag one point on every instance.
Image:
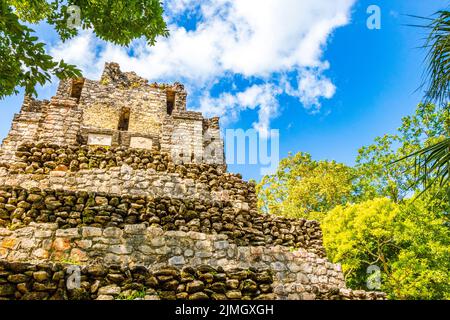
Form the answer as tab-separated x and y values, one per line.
124	120
170	95
76	88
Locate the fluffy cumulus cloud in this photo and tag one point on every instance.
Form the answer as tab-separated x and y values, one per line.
310	87
261	41
228	106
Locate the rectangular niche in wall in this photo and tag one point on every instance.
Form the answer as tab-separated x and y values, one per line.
76	88
95	139
170	98
124	120
141	143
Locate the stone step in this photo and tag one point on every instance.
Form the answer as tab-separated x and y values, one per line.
65	281
20	207
296	273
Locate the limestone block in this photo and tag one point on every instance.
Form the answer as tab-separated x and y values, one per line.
99	139
141	143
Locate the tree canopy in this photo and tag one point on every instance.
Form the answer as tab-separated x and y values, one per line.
303	187
379	174
410	243
369	213
25	62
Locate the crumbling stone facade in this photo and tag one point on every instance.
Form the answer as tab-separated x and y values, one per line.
116	181
121	109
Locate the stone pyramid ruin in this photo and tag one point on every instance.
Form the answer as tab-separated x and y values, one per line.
113	190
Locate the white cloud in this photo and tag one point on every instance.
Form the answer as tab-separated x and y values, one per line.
79	51
263	97
311	86
179	6
257	39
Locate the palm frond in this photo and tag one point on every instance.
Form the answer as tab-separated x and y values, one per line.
432	163
432	166
437	72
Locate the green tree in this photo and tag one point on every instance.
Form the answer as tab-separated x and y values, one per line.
379	174
410	242
24	59
305	188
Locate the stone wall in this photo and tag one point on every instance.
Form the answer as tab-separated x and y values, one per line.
60	122
187	140
56	121
123	170
83	107
44	157
24	128
101	116
25	281
296	274
19	207
102	104
103	101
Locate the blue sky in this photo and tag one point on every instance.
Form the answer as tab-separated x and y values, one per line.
311	69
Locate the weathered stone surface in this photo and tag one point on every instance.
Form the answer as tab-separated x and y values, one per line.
111	290
17	278
8	243
198	296
7	289
195	286
91	232
112	233
105	297
121	249
232	283
234	294
113	214
41	253
78	255
177	260
121	282
68	233
40	276
61	244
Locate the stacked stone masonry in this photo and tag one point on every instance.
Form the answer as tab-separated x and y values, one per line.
25	281
291	274
116	183
20	207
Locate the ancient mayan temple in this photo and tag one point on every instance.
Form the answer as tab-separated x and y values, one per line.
113	190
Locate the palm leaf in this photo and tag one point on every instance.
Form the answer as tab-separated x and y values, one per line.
432	166
432	163
437	75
